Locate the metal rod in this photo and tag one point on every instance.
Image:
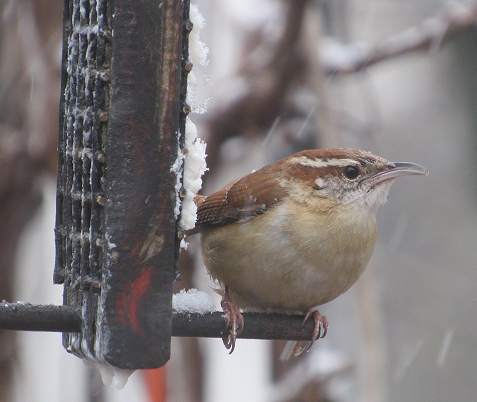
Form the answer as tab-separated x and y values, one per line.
28	317
21	316
256	326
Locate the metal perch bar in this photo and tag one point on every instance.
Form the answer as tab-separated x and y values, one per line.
28	317
257	326
21	316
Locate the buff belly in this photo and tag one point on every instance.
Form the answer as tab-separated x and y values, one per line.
276	262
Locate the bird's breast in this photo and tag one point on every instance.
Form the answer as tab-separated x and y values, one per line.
292	257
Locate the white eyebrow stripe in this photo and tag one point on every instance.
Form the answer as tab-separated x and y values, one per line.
319	163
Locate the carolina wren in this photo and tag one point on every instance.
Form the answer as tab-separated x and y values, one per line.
295	234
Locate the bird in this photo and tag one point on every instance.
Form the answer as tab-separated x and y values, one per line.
294	234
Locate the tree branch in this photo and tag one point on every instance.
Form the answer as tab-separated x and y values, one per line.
454	19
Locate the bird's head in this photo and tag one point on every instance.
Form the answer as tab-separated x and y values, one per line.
345	176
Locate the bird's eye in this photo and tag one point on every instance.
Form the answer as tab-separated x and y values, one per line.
351	172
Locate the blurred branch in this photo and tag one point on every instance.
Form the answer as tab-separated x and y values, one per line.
453	19
309	379
267	88
30	37
29	88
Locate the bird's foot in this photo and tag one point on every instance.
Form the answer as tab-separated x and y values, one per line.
320	330
233	320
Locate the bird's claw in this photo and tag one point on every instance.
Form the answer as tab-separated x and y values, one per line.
321	324
319	331
233	321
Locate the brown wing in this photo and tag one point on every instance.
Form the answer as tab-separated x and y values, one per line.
256	193
241	199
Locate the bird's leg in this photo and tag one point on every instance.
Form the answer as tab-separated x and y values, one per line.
233	320
320	330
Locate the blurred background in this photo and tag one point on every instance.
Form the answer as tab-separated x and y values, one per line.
395	77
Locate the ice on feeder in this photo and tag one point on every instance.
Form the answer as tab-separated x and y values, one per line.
194	168
198	51
192	157
109	374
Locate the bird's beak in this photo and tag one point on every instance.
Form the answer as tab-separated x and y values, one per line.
397	169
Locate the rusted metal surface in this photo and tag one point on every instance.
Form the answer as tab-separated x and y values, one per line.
116	232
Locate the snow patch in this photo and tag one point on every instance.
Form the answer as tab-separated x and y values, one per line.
194	168
192	157
192	301
198	51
